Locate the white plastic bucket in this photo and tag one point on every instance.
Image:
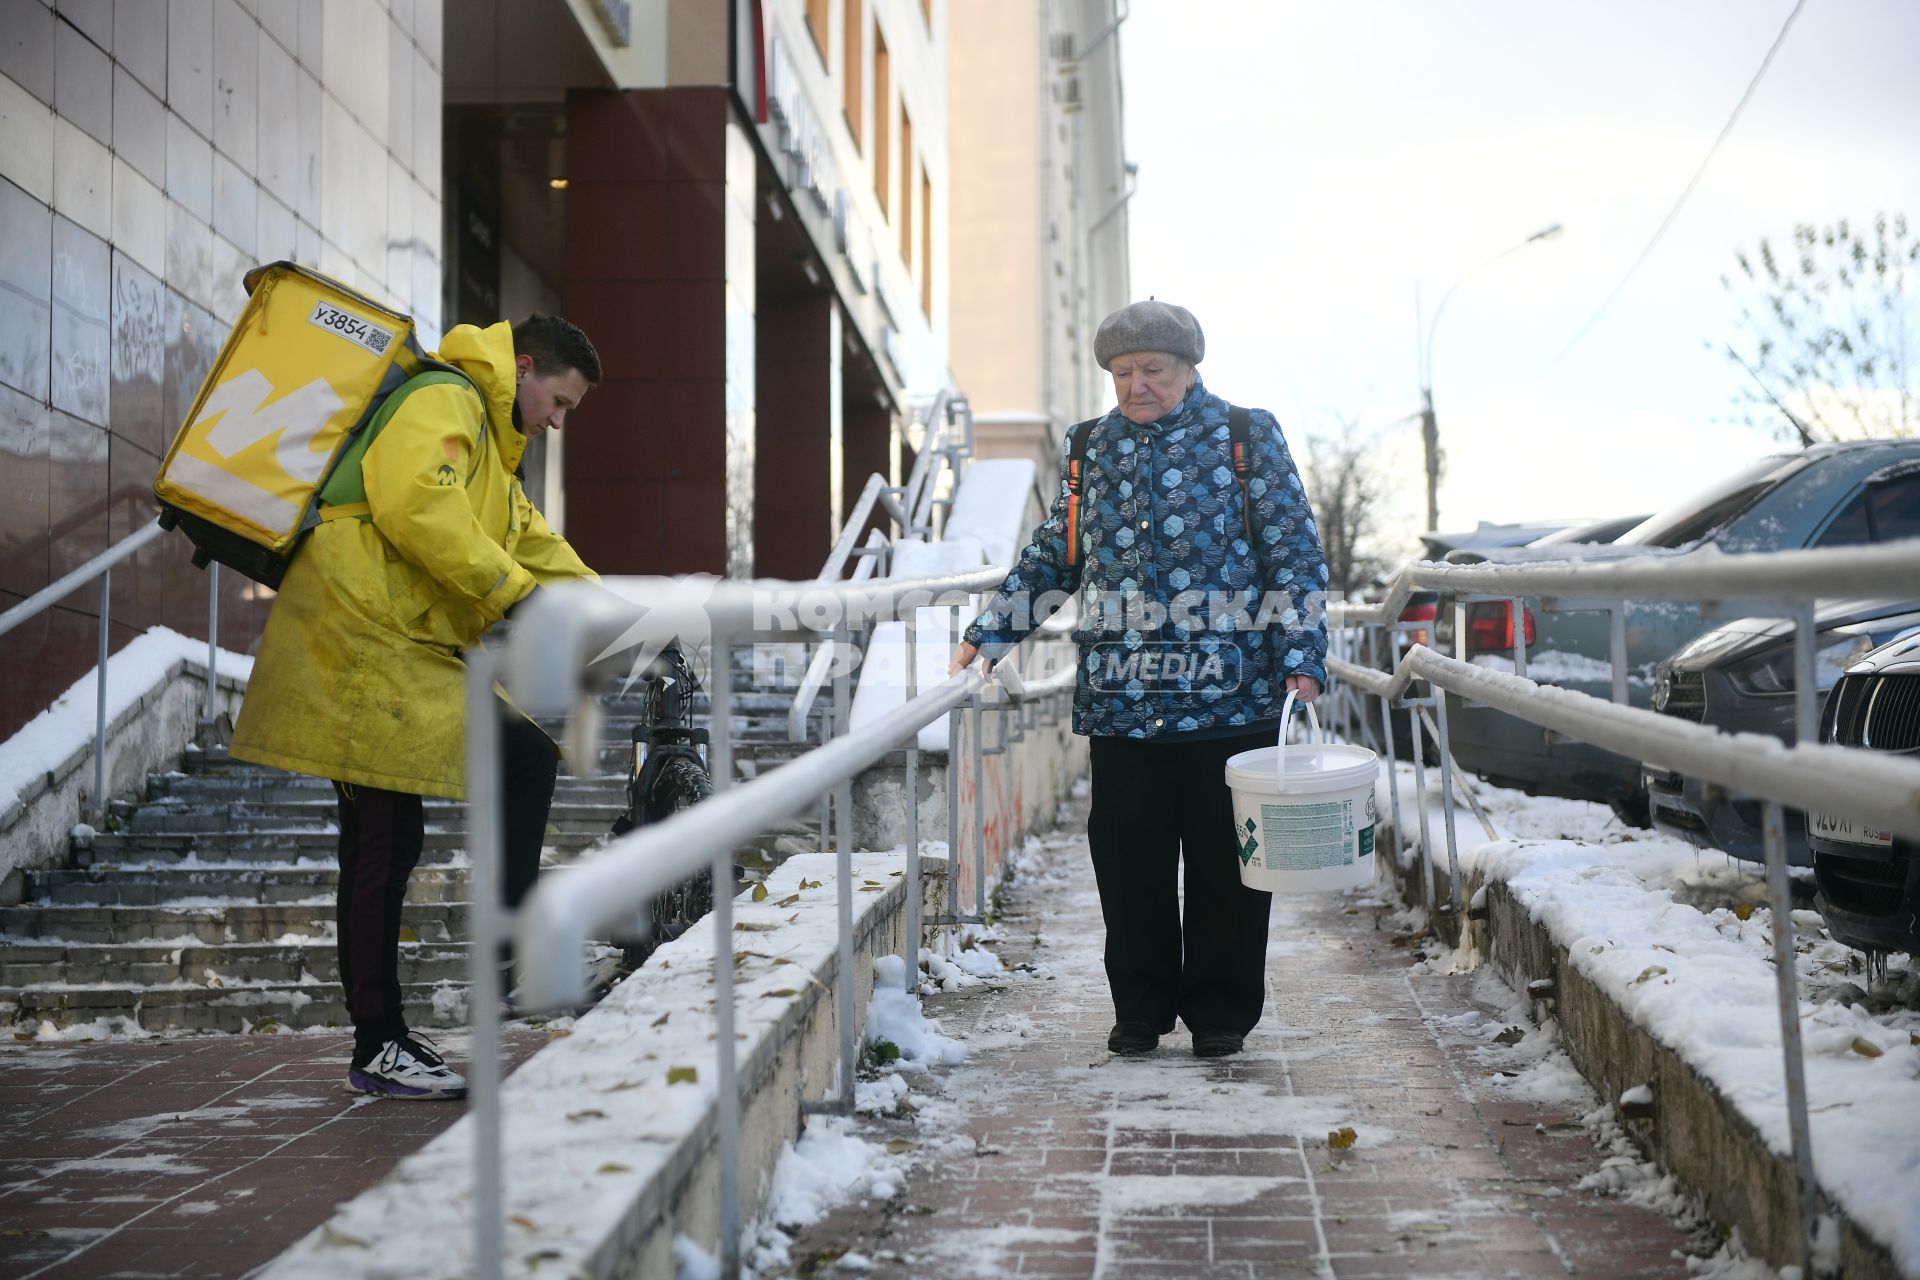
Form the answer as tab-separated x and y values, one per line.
1303	816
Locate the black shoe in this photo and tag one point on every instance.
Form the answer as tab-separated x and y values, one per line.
1130	1038
1217	1044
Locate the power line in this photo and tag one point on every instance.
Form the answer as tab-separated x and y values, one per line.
1685	191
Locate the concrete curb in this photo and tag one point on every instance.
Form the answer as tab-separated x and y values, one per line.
605	1163
1695	1131
147	735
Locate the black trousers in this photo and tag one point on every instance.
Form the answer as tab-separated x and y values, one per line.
1156	803
381	835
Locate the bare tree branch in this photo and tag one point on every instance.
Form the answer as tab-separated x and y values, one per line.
1828	325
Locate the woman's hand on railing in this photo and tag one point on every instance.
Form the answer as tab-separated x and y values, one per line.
1306	688
963	658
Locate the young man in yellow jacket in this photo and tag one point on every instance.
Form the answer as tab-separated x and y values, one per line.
359	677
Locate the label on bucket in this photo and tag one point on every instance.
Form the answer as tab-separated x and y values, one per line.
1306	837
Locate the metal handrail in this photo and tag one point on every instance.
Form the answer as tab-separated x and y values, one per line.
101	567
1808	775
596	895
904	507
45	598
850	532
563	631
821	664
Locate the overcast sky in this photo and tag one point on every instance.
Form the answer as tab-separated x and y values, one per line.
1303	167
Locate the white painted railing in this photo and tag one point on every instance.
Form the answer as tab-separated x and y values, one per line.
552	643
1879	788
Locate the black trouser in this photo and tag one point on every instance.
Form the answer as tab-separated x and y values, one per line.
381	834
1155	802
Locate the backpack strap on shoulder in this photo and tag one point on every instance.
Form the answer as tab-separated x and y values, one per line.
1076	483
1240	435
344	492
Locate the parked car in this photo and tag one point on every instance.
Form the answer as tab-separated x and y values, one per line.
1436	543
1421	606
1868	881
1596	532
1739	678
1827	495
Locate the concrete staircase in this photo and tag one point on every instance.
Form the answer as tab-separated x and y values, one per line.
208	903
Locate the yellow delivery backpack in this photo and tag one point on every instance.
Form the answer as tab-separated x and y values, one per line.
299	381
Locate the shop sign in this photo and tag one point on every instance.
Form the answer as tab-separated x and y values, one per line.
810	166
616	17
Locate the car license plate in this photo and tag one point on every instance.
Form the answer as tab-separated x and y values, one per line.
1847	831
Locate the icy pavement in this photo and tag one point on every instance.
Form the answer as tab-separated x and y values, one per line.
203	1156
1383	1122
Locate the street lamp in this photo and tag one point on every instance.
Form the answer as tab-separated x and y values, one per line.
1429	425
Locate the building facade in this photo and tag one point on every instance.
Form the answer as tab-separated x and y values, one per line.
1040	190
756	227
150	154
743	202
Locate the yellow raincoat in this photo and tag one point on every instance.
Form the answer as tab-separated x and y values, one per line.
358	676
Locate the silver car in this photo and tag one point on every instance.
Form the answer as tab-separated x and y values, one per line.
1828	495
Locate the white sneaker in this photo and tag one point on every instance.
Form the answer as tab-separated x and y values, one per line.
408	1068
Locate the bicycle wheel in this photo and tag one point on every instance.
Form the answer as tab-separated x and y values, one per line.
681	784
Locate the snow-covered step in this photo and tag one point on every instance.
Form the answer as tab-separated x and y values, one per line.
175	817
213	921
290	1006
246	882
277	788
227	870
236	963
118	848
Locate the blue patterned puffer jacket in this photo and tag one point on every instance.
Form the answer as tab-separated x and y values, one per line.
1184	628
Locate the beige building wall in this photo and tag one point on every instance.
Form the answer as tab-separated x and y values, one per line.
1039	217
995	79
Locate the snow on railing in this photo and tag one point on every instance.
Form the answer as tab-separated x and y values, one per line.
946	443
101	567
1783	584
543	666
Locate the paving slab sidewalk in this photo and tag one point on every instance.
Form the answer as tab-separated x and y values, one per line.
200	1157
1045	1156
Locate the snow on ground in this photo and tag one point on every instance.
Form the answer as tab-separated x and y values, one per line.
55	734
832	1163
1681	939
593	1115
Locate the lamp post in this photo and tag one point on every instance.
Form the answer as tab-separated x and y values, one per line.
1430	425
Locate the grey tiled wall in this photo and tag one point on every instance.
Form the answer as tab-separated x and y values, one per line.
151	152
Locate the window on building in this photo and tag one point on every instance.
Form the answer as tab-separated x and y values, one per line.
853	71
882	117
906	187
926	243
817	13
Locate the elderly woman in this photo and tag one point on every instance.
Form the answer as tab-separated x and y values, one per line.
1182	523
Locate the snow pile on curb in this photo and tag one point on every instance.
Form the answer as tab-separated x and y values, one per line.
66	727
1702	984
831	1163
894	1017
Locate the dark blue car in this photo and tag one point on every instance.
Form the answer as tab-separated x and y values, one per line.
1826	496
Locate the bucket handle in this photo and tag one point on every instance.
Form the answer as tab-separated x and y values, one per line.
1286	718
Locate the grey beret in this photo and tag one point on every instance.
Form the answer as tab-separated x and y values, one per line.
1149	326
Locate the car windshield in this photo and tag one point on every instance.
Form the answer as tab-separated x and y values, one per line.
1701	514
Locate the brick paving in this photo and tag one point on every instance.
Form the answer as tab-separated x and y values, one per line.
1045	1156
200	1157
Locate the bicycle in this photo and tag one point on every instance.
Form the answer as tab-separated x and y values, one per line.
668	774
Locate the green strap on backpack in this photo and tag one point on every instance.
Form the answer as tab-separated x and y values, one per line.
346	487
